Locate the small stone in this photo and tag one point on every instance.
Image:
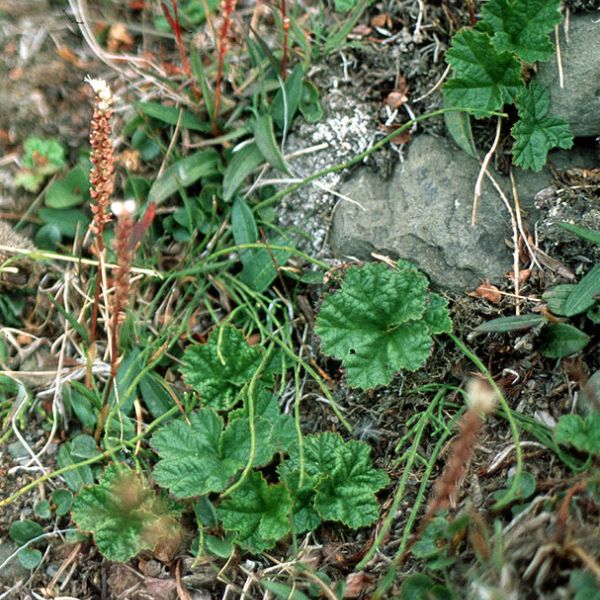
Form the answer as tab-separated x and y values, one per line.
423	214
579	101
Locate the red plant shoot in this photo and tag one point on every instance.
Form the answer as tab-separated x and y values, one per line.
227	8
285	23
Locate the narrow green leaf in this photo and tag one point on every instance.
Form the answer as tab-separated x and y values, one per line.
286	101
244	161
560	339
170	115
264	136
260	270
507	324
184	173
458	125
585	294
155	396
557	296
243	227
198	72
583	232
283	591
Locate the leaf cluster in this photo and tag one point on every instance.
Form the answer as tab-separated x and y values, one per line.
487	64
381	321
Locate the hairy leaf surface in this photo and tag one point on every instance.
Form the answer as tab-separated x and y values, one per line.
522	26
536	132
124	515
484	78
381	321
258	513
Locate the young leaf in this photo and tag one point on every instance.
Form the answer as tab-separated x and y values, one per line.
584	294
484	79
124	515
194	459
375	324
560	340
582	433
458	125
30	558
342	477
184	173
244	161
258	513
522	26
220	368
535	132
78	449
264	136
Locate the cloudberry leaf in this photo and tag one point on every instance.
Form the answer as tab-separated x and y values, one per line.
535	132
339	482
124	515
582	433
379	322
219	369
484	78
195	459
522	26
258	513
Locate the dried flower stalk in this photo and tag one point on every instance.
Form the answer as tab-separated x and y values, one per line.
101	179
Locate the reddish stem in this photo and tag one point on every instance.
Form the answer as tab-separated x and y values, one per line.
227	8
286	27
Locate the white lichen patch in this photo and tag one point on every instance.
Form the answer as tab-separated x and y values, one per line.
347	129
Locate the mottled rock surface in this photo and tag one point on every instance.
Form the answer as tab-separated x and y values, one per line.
579	101
423	214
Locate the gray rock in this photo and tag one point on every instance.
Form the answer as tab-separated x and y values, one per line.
579	101
423	214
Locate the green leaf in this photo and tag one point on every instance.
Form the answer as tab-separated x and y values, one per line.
264	136
41	509
260	271
559	340
584	585
184	173
62	500
344	5
283	591
78	449
155	395
458	124
535	132
124	515
582	433
522	26
342	477
48	237
375	323
310	105
30	558
41	157
68	221
219	369
433	540
257	513
416	587
484	79
507	324
22	532
557	296
436	315
80	405
583	232
194	459
71	191
244	161
287	99
243	227
585	294
170	115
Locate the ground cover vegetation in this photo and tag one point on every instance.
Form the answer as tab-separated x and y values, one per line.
236	417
